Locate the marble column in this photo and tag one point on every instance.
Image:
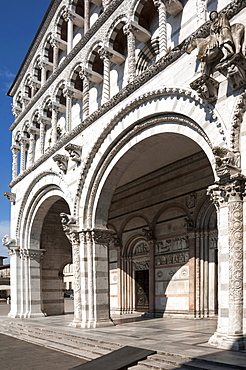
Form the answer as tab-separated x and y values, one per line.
161	6
228	199
105	56
201	11
55	45
86	15
192	271
15	309
97	279
32	260
151	244
15	150
43	66
86	97
54	118
23	154
129	30
31	149
68	94
70	227
42	134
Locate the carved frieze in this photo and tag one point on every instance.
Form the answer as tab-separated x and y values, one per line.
172	245
141	265
172	259
141	247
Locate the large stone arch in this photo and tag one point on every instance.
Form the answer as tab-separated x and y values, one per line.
204	120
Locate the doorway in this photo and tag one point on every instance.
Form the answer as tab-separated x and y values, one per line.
142	290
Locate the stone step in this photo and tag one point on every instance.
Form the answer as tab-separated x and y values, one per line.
70	344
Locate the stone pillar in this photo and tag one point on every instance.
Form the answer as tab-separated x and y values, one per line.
86	15
97	283
192	271
105	56
42	135
69	33
32	259
201	11
161	6
129	30
43	66
15	150
70	228
15	309
86	98
55	45
68	93
54	118
228	199
23	154
31	149
198	277
151	244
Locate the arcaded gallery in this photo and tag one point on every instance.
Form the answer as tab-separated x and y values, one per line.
129	162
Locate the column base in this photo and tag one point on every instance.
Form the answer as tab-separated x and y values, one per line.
97	324
75	324
233	342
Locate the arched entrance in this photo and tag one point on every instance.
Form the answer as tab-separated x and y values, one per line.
58	253
165	258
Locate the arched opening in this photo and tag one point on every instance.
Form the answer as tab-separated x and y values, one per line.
165	258
58	253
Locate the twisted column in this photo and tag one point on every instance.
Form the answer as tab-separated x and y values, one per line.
129	30
105	56
86	98
23	154
42	134
161	7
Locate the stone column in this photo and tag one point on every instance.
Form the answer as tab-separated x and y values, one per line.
55	45
68	93
23	154
42	134
54	118
229	197
98	278
86	15
151	244
198	277
15	150
43	66
68	17
201	11
192	271
70	228
105	56
86	98
31	150
32	259
129	30
161	6
15	310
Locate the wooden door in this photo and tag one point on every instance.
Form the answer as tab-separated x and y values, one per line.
142	290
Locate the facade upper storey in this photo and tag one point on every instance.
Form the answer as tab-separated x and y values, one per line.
84	53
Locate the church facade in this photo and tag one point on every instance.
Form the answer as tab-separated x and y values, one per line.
129	162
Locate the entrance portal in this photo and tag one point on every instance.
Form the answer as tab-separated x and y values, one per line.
142	290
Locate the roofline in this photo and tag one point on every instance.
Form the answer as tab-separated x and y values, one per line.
32	48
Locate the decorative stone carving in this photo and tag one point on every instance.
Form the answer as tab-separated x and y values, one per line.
74	152
206	87
61	161
191	200
227	162
141	247
141	265
171	245
234	70
106	3
11	196
68	222
9	242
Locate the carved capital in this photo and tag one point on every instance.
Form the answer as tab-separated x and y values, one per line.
68	92
61	161
11	196
102	236
206	87
74	152
234	70
128	28
104	54
70	227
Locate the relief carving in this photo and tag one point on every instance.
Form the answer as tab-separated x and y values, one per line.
227	162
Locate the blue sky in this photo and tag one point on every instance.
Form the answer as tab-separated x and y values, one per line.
19	22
